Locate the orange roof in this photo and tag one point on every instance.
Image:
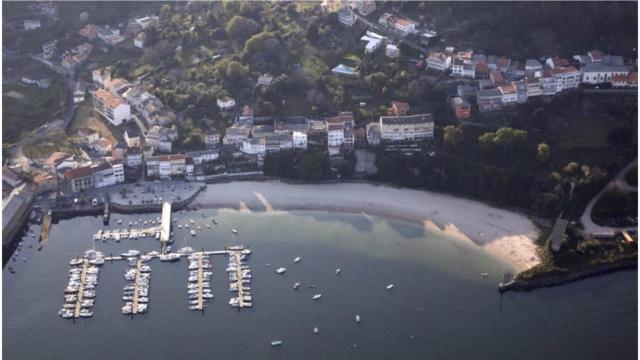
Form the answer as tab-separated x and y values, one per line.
79	172
482	67
333	127
633	77
503	61
400	105
42	178
56	157
109	99
341	118
405	22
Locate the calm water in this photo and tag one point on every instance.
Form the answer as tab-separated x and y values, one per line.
440	307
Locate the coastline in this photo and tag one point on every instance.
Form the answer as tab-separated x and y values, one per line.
506	235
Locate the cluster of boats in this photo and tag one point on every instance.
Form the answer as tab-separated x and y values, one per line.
199	286
135	293
239	277
80	291
133	234
17	251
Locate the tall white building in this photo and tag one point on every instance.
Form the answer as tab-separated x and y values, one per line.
111	106
403	128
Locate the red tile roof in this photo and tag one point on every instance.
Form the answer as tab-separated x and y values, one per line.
78	173
109	99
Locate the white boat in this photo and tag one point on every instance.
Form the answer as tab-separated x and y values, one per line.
315	330
76	261
338	270
199	227
296	285
316	296
185	250
169	257
191	221
358	318
485	275
276	343
281	270
234	231
193	232
390	286
297	260
119	221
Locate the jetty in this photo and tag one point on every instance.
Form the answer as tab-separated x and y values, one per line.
83	277
136	290
44	230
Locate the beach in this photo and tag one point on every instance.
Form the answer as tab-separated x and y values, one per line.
507	235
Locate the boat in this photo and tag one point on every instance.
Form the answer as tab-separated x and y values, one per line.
199	227
297	260
485	275
119	221
315	330
130	253
316	296
185	250
191	221
390	286
357	318
214	221
234	231
281	270
11	270
169	257
192	232
338	271
76	261
179	226
296	285
276	343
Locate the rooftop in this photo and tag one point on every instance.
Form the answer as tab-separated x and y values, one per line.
109	99
409	119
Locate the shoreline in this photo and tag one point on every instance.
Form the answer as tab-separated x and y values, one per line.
506	235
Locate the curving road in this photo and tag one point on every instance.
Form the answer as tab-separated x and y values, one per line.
618	181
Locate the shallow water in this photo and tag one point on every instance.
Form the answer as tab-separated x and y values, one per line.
440	307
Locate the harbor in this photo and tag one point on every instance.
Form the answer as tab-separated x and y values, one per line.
80	291
199	286
239	277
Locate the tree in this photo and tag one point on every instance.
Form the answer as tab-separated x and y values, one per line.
453	136
236	71
241	28
312	33
544	153
571	168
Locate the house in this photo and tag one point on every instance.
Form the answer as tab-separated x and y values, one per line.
90	31
364	7
49	48
392	51
346	17
105	32
399	108
373	133
226	103
404	26
101	77
277	142
254	146
331	6
55	159
111	106
628	81
516	70
10	177
466	91
132	136
88	136
406	128
557	62
342	69
489	100
497	78
566	78
118	86
534	86
468	70
595	73
548	82
134	157
503	63
456	67
118	152
146	21
265	79
79	179
461	108
439	61
521	89
247	113
344	123
189	167
107	174
139	40
165	166
211	138
509	94
373	40
482	71
532	65
79	91
31	24
299	139
201	156
102	146
236	134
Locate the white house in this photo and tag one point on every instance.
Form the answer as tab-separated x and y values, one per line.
392	51
31	24
439	61
509	94
254	146
335	134
111	106
566	78
134	157
107	174
346	17
226	103
139	40
299	139
79	91
101	77
406	128
595	73
202	155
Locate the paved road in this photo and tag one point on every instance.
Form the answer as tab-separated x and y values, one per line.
589	226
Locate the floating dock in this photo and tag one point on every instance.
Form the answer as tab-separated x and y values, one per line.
83	276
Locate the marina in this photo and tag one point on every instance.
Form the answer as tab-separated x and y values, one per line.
239	277
198	287
80	291
136	293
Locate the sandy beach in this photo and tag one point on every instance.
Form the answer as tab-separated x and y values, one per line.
504	234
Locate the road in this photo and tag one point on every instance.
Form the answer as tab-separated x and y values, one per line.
589	226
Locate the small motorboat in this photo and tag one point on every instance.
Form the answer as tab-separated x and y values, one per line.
276	343
390	286
357	318
315	330
485	275
316	296
192	232
234	231
296	285
281	270
297	260
338	271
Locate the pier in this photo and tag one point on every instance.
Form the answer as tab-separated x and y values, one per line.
200	304
165	226
236	254
44	231
83	276
136	290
